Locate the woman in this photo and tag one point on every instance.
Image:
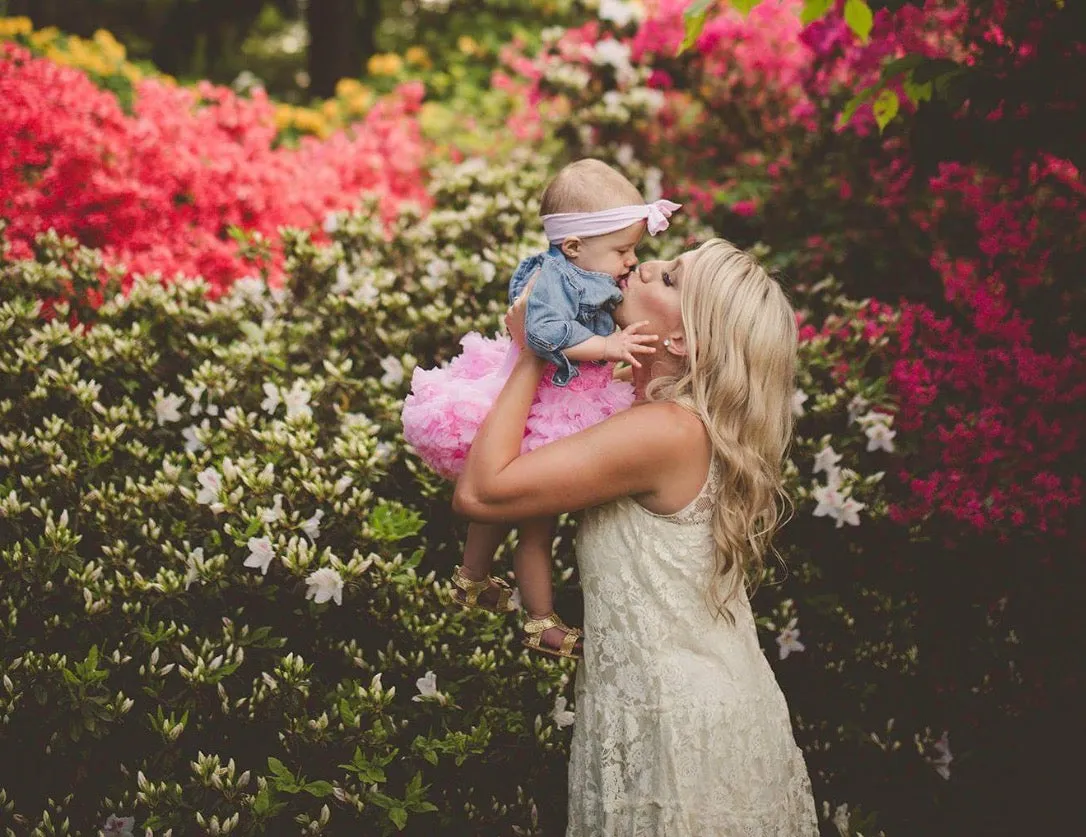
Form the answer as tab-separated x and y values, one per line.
681	728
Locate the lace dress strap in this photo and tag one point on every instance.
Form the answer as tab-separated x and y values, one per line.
700	509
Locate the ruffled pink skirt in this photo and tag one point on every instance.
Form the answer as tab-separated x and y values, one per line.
447	405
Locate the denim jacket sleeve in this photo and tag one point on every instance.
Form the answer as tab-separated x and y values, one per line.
551	320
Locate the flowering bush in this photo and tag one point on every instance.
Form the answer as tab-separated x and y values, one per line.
161	189
983	361
236	569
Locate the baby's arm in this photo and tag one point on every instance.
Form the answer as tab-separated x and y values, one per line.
622	345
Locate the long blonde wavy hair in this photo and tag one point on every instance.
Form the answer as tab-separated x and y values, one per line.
739	379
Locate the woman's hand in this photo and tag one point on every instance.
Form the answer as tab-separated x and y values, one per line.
514	317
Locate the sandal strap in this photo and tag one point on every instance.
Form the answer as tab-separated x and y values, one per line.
473	589
534	629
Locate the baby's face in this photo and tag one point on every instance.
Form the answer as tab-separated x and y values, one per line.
614	253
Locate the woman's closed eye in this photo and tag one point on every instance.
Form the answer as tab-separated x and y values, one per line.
666	277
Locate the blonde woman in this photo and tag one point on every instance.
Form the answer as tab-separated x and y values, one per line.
681	728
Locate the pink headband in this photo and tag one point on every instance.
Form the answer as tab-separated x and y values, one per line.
587	224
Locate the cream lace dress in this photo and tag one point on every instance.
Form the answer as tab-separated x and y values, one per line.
681	728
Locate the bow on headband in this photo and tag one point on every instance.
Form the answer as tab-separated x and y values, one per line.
561	225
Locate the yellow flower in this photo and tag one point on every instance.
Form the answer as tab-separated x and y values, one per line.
347	87
418	56
330	109
284	117
360	102
467	45
13	27
111	48
44	37
387	64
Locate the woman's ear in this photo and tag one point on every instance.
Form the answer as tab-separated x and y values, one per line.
571	247
675	344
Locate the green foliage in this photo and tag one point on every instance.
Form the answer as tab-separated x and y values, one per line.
214	694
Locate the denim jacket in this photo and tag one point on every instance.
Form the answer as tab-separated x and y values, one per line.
567	306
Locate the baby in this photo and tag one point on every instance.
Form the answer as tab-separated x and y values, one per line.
594	219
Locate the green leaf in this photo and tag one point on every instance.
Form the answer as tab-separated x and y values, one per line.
319	788
906	63
859	18
399	817
917	93
278	768
853	104
744	6
693	25
698	7
885	107
814	10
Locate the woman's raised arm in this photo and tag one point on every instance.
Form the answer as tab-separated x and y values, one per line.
628	454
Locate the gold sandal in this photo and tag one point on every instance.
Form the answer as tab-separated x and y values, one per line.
466	592
533	639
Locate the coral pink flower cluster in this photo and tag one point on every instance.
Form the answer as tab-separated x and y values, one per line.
157	189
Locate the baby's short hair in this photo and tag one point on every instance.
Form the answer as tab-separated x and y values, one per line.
588	185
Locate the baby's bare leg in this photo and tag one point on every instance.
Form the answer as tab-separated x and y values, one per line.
481	543
533	566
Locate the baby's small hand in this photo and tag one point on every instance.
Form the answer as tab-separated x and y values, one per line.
623	345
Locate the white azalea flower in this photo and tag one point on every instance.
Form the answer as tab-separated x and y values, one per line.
192	444
118	826
312	527
325	584
331	222
383	451
343	280
829	501
562	717
427	686
619	12
798	399
192	562
848	513
941	761
611	52
272	398
210	486
393	371
826	460
880	436
166	407
624	155
841	819
856	406
274	512
297	401
249	288
515	602
342	484
654	184
875	417
261	554
788	639
195	392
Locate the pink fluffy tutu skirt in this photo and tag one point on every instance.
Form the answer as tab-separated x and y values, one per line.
447	405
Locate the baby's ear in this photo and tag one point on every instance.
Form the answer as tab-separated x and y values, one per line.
571	246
